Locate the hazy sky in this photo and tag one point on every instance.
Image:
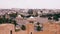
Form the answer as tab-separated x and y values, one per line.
49	4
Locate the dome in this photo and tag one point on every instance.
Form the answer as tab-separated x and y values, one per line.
31	17
19	15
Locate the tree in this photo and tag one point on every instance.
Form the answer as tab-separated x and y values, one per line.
56	18
38	28
1	20
9	20
49	18
23	27
30	11
13	15
14	22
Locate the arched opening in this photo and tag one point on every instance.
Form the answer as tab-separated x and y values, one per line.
10	31
31	32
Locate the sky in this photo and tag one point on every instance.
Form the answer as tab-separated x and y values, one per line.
30	4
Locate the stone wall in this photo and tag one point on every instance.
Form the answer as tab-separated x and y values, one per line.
48	28
7	29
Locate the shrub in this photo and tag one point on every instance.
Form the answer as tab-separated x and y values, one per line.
13	15
30	11
38	28
23	27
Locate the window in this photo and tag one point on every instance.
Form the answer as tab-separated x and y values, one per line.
11	32
31	32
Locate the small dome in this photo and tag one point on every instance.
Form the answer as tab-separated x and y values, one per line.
31	17
19	15
9	12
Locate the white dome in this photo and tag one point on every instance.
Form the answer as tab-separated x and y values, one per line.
19	15
9	12
31	17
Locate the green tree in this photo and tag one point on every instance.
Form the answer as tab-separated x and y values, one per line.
1	20
56	18
30	11
14	22
8	20
13	15
49	18
38	28
23	27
